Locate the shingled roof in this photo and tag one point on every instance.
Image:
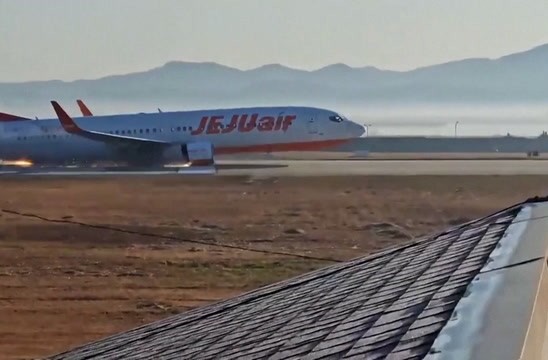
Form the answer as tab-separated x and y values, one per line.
395	304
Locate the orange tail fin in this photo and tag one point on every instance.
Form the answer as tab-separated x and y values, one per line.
83	108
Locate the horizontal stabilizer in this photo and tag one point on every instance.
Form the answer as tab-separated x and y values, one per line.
10	117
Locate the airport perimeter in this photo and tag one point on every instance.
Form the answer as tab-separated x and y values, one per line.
165	245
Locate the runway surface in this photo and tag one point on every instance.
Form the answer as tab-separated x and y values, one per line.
385	167
326	168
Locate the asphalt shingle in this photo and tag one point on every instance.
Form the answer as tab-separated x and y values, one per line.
389	305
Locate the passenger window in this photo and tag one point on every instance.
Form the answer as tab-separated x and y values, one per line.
141	131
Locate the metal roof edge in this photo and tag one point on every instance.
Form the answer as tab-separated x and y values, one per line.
493	319
536	339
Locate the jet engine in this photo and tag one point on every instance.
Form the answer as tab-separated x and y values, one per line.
195	153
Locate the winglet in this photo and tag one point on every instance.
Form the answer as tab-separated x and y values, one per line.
66	121
83	108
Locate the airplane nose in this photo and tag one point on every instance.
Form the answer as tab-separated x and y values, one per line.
355	129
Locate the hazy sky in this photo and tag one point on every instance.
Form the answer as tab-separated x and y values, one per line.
70	39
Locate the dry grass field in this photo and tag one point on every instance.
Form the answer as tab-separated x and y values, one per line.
121	256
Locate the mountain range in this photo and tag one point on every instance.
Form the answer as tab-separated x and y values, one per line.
515	78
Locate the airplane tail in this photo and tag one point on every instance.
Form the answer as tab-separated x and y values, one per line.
83	108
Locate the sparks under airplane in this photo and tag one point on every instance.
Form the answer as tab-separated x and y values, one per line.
157	139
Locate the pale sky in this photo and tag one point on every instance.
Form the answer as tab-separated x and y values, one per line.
73	39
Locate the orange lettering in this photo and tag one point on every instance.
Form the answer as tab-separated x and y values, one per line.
244	123
288	121
233	123
201	127
266	123
214	126
250	125
279	121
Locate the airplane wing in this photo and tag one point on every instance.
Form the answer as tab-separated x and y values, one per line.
83	108
71	127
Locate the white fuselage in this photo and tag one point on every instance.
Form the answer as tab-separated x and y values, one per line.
258	129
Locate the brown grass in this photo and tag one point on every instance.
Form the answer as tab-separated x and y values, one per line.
62	284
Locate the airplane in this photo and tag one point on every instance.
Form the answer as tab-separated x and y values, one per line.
156	139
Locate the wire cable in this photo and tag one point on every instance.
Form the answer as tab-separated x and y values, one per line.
168	237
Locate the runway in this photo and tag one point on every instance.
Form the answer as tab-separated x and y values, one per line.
76	171
385	167
322	168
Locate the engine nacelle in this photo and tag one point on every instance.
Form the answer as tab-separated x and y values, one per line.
196	153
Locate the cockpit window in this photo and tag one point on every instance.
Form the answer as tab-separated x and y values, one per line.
336	118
